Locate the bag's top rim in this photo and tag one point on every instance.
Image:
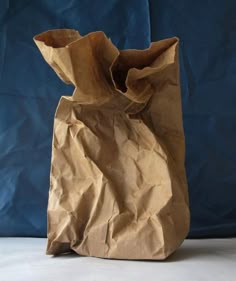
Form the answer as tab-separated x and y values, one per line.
73	36
130	72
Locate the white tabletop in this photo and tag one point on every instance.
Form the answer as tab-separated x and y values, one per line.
23	259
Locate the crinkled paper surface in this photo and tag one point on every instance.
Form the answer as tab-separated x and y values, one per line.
118	187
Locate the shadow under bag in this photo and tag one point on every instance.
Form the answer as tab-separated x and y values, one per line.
118	184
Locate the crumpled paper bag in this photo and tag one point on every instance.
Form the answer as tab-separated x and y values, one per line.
118	185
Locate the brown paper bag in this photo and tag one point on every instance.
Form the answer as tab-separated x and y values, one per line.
118	185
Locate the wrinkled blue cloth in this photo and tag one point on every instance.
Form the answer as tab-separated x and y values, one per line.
29	93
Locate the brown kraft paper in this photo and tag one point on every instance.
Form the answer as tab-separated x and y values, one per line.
118	186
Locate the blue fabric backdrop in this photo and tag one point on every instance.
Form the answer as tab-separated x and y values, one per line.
29	93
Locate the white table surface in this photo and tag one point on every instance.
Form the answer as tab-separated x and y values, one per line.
24	259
